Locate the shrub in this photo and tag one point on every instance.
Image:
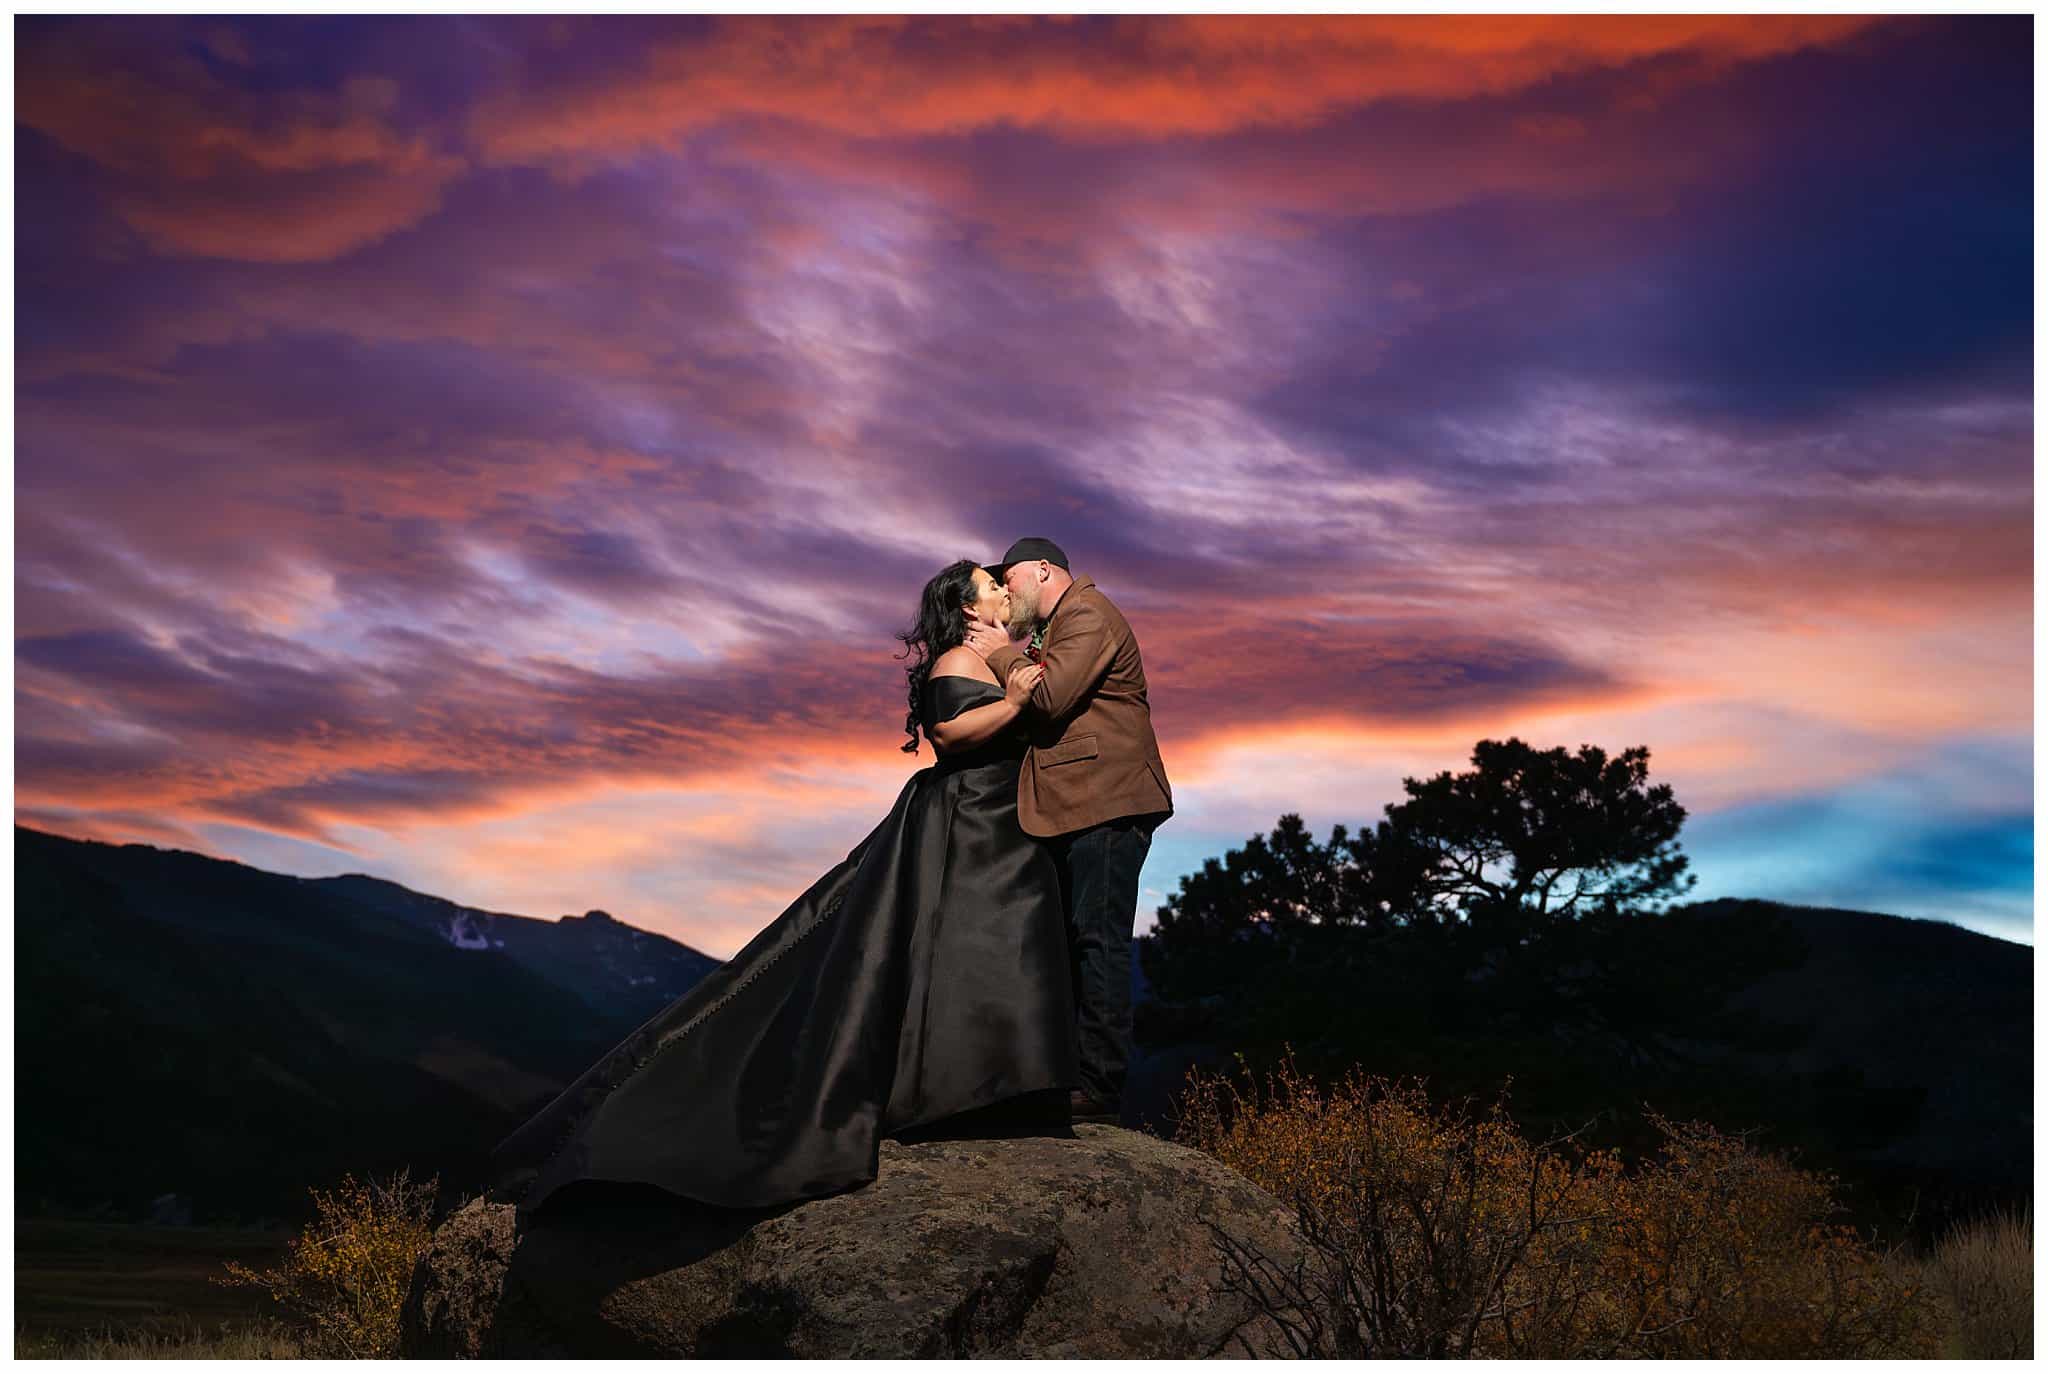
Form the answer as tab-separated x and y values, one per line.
345	1276
1985	1269
1434	1235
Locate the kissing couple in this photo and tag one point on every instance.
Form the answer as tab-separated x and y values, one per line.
973	950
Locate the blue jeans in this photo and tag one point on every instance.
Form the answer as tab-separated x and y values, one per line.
1099	887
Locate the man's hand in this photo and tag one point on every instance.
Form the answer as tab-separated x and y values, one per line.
982	636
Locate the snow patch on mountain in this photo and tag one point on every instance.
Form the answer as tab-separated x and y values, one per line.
462	932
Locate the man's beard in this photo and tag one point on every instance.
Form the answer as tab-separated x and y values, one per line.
1022	623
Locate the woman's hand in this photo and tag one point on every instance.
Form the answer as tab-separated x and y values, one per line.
1018	690
983	636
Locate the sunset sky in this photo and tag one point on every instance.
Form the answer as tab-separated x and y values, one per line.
495	454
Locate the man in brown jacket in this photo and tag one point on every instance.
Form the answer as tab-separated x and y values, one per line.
1092	786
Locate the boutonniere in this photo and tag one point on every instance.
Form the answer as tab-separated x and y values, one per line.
1035	650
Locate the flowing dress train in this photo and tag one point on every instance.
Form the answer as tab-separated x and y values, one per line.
925	974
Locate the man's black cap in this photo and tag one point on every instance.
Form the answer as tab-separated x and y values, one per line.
1028	550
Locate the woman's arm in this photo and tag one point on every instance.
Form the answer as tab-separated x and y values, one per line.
983	723
976	726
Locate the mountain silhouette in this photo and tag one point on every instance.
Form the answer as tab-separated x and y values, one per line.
1895	1051
195	1025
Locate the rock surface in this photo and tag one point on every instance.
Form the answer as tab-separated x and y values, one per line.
1082	1241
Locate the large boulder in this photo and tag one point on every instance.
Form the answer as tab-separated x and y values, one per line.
1089	1241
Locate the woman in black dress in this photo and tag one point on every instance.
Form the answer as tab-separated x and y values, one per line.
924	975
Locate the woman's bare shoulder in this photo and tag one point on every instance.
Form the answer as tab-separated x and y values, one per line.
962	661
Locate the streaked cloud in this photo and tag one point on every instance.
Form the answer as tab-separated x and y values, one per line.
496	452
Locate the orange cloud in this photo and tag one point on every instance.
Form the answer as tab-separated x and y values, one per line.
213	170
875	76
308	220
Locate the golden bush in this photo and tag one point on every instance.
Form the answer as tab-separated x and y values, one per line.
344	1277
1431	1234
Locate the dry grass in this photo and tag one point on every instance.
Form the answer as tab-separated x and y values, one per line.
180	1339
1984	1271
1434	1235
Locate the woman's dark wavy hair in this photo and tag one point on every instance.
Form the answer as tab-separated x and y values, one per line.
940	626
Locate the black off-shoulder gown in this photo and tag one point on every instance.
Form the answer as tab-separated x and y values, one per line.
925	974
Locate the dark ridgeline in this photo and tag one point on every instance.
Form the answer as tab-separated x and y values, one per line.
1895	1051
195	1026
1515	923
